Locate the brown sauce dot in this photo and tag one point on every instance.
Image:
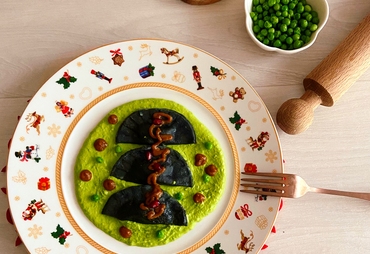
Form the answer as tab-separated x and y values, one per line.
211	170
200	159
112	119
109	184
100	144
199	197
125	232
85	175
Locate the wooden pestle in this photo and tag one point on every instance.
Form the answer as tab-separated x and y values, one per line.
329	80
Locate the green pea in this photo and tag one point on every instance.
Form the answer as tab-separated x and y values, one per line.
95	197
206	178
296	37
267	24
266	41
271	30
277	7
284	8
179	195
99	160
290	31
271	2
286	21
284	14
297	30
277	44
293	23
284	46
277	33
284	1
303	23
259	8
283	37
307	33
256	29
256	2
297	44
208	145
271	36
278	13
262	1
264	32
299	8
260	23
315	20
291	6
160	233
307	7
313	27
314	14
297	16
283	28
265	15
274	20
265	6
259	37
118	149
289	40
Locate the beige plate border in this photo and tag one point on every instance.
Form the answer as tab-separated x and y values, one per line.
235	189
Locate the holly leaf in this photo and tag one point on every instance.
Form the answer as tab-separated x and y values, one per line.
72	79
209	249
236	118
62	240
64	82
58	233
218	249
237	126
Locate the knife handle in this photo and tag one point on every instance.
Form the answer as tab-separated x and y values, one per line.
329	80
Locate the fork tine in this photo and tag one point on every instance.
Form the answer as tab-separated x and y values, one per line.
267	193
259	186
263	180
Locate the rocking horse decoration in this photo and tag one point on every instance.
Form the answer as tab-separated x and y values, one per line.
34	120
172	53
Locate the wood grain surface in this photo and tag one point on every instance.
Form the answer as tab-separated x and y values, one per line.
38	38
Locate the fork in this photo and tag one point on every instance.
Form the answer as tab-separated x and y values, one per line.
288	186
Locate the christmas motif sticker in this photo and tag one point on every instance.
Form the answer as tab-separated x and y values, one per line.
243	212
216	249
197	77
237	120
66	80
100	75
246	243
171	54
260	142
238	94
147	71
219	73
43	184
60	234
34	121
32	209
117	57
29	153
62	106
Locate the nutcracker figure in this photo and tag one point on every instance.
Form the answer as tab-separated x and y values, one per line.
197	77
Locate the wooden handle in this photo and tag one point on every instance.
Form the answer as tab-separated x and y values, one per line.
329	80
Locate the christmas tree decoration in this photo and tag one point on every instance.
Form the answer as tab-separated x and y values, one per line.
237	120
60	234
147	71
66	80
100	75
117	57
219	73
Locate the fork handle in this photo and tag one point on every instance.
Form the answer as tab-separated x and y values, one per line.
360	195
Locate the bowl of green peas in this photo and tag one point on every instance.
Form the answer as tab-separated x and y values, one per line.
285	26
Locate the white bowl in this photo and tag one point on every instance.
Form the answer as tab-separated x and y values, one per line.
320	6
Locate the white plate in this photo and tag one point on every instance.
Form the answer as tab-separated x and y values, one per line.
53	146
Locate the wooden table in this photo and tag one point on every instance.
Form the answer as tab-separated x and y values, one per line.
38	38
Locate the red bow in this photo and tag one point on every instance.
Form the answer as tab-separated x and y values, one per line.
116	52
241	121
66	76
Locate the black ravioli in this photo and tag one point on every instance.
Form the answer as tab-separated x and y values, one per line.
135	128
133	167
125	205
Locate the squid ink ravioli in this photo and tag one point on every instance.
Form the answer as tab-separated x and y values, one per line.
112	176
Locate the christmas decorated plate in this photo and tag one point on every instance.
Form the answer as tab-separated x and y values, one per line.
154	103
